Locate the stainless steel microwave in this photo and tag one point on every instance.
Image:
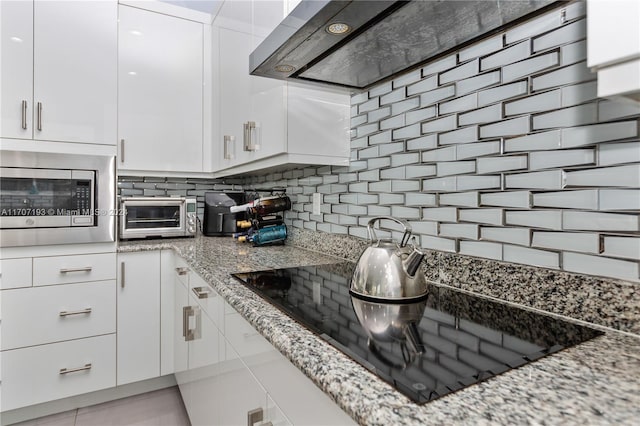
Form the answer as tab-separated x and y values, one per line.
157	217
50	198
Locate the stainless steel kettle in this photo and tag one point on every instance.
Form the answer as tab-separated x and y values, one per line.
388	271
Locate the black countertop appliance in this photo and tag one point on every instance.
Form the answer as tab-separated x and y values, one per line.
218	219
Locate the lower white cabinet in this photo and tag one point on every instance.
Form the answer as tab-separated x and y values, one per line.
58	326
138	316
47	372
228	372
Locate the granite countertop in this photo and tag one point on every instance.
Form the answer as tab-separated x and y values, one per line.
596	382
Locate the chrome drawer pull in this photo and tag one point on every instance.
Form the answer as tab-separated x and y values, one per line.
202	292
74	370
39	116
254	416
67	270
68	313
24	115
182	271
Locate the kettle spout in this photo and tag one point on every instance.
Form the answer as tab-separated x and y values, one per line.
412	262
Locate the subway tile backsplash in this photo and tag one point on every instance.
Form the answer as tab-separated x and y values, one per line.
512	155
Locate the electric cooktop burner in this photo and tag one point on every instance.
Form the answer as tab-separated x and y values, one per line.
424	349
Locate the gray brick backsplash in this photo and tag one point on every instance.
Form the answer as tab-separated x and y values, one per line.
455	168
571	74
412	131
442	154
481	48
461	199
542	102
512	127
509	55
577	199
574	52
485	215
518	199
478	82
425	84
376	115
440	65
437	95
619	199
422	114
394	96
501	93
563	35
566	158
518	236
475	150
482	115
610	110
406	105
573	116
464	135
499	150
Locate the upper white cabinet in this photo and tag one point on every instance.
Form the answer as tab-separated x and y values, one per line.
290	123
59	70
613	46
160	92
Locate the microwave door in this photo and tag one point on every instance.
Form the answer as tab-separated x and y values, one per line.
35	198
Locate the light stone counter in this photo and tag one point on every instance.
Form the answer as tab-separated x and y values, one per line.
597	382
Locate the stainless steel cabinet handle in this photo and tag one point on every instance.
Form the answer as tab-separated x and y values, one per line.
122	274
202	292
254	416
24	115
185	321
68	313
229	142
68	270
39	116
182	271
122	150
74	370
188	333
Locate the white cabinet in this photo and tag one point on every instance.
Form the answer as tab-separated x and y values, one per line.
59	71
613	46
160	92
58	327
138	316
294	123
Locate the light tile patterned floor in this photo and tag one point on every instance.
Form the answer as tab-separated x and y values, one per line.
159	408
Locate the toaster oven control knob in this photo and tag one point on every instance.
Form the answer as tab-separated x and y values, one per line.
191	229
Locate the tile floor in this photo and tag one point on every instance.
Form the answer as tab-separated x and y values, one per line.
159	408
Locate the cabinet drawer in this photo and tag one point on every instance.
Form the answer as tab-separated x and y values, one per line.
73	269
243	337
36	374
208	299
38	315
15	273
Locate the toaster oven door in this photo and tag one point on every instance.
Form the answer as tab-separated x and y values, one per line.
152	217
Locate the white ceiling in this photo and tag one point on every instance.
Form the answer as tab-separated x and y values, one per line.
208	6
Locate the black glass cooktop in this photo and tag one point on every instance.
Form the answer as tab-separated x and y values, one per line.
425	349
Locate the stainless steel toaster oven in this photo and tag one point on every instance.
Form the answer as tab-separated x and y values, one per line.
157	217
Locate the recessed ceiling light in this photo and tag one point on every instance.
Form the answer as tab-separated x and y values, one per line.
132	73
16	39
135	32
285	68
338	28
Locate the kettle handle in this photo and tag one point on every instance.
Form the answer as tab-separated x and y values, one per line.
404	223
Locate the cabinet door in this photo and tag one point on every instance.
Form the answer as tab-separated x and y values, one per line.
75	71
138	316
160	92
16	100
236	391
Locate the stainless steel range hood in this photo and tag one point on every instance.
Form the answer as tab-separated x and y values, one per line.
385	37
